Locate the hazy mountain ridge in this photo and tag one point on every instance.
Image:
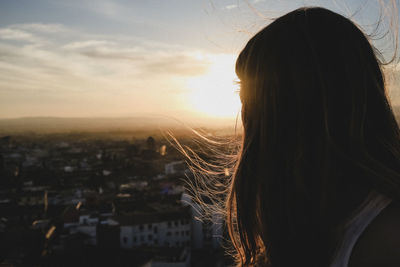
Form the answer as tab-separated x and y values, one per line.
61	124
56	124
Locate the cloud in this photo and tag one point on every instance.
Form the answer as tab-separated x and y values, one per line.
30	32
85	44
231	6
110	10
92	51
15	34
41	27
107	8
73	73
184	64
149	59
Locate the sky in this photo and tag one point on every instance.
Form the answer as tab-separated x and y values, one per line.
122	58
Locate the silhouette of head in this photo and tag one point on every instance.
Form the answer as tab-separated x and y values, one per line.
317	124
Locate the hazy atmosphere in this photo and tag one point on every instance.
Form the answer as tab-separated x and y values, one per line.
122	142
164	59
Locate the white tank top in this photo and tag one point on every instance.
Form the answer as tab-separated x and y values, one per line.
368	210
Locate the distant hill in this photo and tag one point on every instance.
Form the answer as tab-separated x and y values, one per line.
54	124
59	125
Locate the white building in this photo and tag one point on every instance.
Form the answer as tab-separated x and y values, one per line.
88	219
207	233
166	258
166	229
85	223
175	167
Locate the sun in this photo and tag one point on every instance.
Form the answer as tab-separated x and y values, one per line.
216	92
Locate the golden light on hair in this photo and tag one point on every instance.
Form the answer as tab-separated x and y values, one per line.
226	172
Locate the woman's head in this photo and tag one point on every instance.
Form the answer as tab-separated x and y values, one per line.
317	123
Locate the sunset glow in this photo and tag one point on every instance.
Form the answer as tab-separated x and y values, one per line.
215	93
114	58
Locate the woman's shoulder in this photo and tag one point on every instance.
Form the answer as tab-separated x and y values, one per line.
379	244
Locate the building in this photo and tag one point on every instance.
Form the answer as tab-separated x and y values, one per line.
175	167
158	229
205	233
170	257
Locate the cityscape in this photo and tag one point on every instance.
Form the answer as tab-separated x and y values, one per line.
85	199
120	124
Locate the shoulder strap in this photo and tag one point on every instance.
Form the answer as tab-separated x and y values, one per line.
368	211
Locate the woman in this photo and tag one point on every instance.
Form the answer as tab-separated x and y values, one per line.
318	177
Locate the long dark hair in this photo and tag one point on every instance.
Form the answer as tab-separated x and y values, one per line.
319	134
